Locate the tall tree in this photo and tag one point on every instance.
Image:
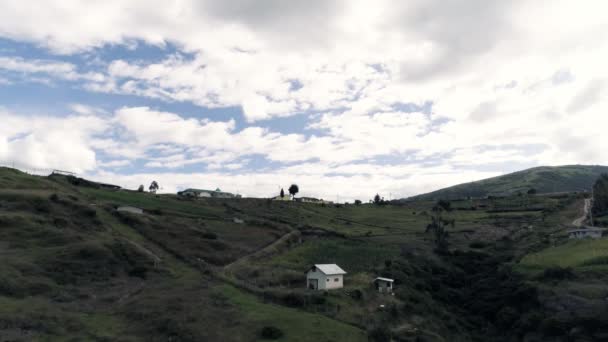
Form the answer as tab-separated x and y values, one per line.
377	199
438	226
282	193
153	187
141	188
293	190
600	195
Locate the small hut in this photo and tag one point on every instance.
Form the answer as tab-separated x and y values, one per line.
384	285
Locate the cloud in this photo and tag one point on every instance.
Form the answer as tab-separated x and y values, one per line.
60	70
49	142
383	85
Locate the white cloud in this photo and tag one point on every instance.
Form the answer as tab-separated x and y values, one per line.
61	70
49	142
502	76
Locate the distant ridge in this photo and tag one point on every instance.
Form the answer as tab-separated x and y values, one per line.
544	179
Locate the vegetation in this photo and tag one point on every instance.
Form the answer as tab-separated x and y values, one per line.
153	187
293	190
600	195
73	268
541	179
439	225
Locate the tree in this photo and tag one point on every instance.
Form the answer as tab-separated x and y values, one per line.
358	202
153	187
293	190
377	199
141	188
438	227
600	195
282	193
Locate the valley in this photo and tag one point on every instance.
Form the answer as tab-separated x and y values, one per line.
206	269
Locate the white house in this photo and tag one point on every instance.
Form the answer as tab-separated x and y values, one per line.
206	193
593	233
325	277
384	285
129	209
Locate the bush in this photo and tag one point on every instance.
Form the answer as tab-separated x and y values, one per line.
294	300
271	333
477	244
379	334
209	236
557	273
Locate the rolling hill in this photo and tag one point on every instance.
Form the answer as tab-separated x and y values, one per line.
77	268
544	179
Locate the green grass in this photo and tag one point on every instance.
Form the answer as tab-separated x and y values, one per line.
298	326
575	253
353	256
166	203
543	179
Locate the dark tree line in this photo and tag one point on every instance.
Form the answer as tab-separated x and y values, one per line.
600	193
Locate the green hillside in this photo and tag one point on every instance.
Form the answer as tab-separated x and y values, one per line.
76	269
544	179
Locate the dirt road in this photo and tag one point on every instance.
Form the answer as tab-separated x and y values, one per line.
579	221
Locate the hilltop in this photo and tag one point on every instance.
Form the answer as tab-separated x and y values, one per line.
544	179
202	269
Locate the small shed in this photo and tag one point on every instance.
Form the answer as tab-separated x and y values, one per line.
593	233
325	277
129	209
384	285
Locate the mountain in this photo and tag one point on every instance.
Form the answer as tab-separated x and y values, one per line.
544	179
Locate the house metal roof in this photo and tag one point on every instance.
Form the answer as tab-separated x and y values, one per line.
329	269
385	279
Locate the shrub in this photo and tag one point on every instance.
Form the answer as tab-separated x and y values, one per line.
557	273
379	334
600	260
271	333
209	236
477	244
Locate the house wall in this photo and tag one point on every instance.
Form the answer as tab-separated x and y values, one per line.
332	283
383	286
325	282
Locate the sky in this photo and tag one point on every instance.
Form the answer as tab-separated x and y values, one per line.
344	98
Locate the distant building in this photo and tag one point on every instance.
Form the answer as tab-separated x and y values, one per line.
129	209
593	233
325	277
384	285
207	193
284	198
312	200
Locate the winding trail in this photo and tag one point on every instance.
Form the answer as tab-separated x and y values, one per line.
579	221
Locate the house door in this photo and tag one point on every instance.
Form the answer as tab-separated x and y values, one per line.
313	284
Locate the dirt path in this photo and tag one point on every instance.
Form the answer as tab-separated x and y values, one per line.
579	221
151	254
268	250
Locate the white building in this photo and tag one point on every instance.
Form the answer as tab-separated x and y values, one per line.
325	277
207	193
129	209
384	285
593	233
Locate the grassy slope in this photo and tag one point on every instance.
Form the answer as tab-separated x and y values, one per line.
49	246
543	179
74	269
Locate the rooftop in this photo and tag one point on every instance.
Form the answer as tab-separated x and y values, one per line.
330	269
385	279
